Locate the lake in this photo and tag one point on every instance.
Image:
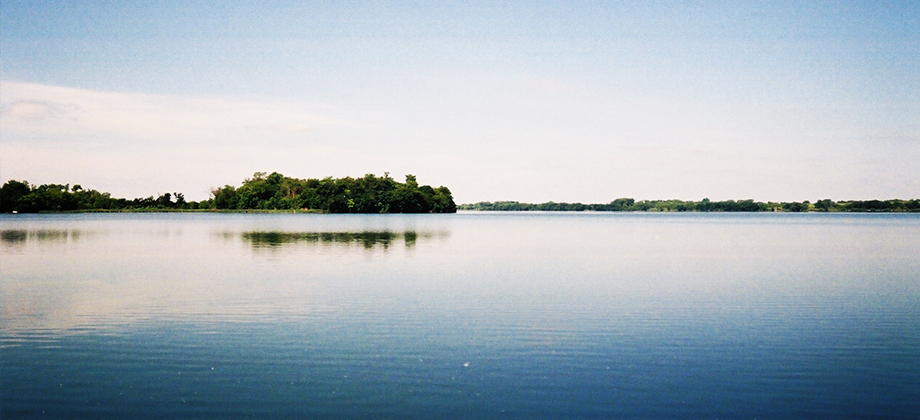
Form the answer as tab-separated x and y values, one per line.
463	316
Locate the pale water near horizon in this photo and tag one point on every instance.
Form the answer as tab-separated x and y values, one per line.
465	316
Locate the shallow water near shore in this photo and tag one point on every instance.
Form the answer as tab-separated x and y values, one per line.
470	315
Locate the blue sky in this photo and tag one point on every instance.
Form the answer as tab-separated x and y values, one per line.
529	101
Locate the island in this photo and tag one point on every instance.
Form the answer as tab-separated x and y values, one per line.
272	192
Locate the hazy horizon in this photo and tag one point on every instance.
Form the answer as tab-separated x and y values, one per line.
524	101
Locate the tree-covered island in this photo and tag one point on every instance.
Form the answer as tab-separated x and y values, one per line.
368	194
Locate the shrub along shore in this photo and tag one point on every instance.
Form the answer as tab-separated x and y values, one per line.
261	193
705	205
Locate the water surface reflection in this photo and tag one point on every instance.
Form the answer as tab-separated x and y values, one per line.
368	239
22	236
460	316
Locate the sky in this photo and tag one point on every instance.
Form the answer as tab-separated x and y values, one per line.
528	101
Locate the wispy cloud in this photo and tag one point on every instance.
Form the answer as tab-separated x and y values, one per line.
36	111
40	110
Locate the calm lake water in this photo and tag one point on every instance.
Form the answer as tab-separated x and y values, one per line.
466	316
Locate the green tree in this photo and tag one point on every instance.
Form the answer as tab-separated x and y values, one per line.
10	194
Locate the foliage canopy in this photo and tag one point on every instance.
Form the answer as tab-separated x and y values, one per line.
369	194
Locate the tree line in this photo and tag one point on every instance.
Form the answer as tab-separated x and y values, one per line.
22	197
369	194
705	205
373	194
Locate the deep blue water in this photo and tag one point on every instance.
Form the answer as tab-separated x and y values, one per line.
467	316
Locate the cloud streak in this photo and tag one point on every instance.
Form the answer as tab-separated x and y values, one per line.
36	111
41	111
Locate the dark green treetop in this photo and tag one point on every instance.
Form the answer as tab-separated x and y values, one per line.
368	194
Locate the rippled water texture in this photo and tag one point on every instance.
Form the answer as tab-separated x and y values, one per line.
466	316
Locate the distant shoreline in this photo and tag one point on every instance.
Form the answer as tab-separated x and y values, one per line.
707	206
503	207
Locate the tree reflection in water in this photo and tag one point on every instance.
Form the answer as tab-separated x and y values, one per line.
368	239
22	236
